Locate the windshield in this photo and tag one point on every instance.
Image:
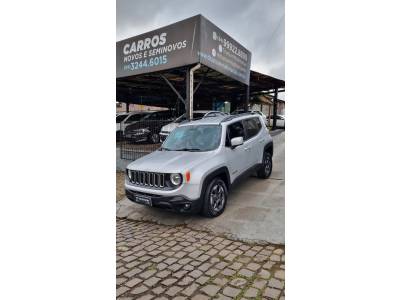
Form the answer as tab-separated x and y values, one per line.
193	138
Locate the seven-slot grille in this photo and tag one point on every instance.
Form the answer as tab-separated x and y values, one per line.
146	178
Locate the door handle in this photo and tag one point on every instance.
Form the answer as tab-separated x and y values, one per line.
247	149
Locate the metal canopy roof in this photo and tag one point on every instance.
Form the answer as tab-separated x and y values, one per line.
152	89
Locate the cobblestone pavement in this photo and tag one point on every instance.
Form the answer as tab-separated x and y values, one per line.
164	262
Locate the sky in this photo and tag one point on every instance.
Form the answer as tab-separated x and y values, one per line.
259	25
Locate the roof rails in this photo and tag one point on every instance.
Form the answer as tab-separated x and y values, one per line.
231	117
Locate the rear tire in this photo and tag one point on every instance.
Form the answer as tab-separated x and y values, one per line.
265	171
215	198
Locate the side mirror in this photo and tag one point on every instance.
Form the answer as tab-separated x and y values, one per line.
237	141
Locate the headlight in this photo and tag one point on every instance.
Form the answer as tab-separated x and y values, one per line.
176	179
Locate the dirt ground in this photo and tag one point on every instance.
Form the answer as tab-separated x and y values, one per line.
120	177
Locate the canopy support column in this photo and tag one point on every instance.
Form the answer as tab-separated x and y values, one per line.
189	91
246	107
275	109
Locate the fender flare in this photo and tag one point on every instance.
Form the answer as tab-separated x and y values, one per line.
269	146
219	171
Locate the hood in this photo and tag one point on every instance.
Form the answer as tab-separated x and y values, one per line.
170	161
169	127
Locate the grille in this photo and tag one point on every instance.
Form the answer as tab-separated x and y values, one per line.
147	178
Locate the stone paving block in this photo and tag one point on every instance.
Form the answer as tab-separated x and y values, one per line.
236	265
172	291
221	265
185	280
204	267
139	289
201	297
158	290
180	274
131	283
190	289
275	257
175	267
260	283
163	274
275	283
221	281
120	280
188	268
158	259
152	281
212	272
169	281
238	282
121	270
146	297
251	293
132	272
211	289
228	272
195	273
147	274
280	274
230	257
170	260
246	273
231	292
253	266
202	279
278	251
265	274
121	290
271	293
132	264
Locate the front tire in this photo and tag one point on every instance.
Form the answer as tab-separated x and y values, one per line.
215	198
265	171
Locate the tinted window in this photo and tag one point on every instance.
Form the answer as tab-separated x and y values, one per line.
135	117
234	130
120	118
253	126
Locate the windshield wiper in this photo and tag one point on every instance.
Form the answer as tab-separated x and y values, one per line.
188	149
166	149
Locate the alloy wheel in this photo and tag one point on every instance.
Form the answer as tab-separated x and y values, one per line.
217	197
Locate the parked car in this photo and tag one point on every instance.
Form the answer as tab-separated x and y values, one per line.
198	163
125	119
280	121
241	111
197	114
148	128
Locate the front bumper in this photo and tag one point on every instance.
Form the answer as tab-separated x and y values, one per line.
176	203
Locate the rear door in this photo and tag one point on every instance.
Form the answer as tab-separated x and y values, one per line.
253	143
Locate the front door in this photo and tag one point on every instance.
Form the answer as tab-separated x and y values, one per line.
237	157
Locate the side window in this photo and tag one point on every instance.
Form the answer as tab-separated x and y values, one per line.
253	126
234	130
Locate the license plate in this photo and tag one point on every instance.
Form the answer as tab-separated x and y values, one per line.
143	199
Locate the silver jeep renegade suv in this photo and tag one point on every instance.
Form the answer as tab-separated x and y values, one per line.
199	162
